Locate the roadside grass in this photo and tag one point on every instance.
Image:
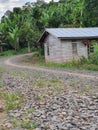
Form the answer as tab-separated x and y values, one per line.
7	53
34	59
13	52
83	64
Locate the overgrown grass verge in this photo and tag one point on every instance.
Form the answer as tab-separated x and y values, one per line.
87	64
34	59
72	64
13	52
7	53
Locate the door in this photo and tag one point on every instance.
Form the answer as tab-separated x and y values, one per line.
74	50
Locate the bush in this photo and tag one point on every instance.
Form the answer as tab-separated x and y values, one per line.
90	67
7	53
22	51
83	61
93	59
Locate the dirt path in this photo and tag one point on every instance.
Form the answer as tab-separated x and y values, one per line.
12	61
53	99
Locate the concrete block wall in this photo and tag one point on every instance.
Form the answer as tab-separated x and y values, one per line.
82	49
55	49
61	50
66	50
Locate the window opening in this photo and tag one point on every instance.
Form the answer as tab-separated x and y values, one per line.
74	48
48	52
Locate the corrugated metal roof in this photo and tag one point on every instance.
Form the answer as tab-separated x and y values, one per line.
73	32
70	33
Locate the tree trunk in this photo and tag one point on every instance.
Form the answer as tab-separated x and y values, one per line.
1	49
29	48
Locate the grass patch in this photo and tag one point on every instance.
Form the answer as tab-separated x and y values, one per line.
7	53
14	123
31	111
38	96
13	52
87	64
34	59
19	74
13	101
28	124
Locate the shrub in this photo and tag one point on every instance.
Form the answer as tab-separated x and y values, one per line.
93	59
8	53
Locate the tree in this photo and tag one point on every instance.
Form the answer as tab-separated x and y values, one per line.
90	13
13	37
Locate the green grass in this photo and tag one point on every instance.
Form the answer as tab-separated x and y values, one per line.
7	53
13	101
28	124
83	64
13	52
34	59
31	111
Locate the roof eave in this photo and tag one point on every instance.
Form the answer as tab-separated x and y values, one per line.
44	34
78	38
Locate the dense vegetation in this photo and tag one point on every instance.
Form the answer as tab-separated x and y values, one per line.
22	27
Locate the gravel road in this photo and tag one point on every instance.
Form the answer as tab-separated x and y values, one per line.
53	99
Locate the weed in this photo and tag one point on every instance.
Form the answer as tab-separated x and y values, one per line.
38	96
28	124
1	84
19	74
74	83
31	111
49	92
40	83
13	101
49	85
55	81
58	89
46	127
14	123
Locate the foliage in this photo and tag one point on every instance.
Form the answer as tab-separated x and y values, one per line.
23	26
13	52
93	59
90	13
7	53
